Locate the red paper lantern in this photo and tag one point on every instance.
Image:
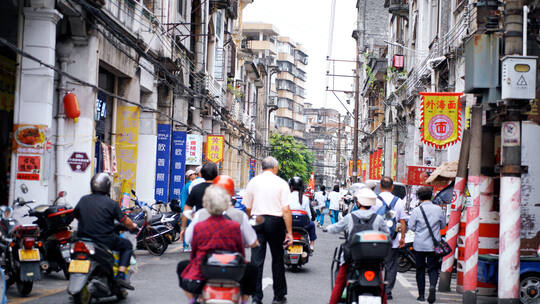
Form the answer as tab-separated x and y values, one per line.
71	106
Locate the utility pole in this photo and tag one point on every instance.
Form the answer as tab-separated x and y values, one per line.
338	154
356	106
510	193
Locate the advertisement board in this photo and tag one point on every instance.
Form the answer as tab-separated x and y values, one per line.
194	149
417	175
178	163
163	152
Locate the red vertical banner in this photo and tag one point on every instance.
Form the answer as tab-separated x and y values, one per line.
380	161
370	175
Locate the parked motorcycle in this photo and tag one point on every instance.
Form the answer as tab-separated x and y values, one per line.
406	258
53	222
155	237
20	249
297	254
365	282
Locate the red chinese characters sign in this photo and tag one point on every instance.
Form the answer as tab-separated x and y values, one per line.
417	175
28	167
440	118
215	147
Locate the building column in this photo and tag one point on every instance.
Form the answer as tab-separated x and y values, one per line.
34	98
147	147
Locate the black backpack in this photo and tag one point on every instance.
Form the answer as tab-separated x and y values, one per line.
359	225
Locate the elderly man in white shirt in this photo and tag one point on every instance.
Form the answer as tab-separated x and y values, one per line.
267	195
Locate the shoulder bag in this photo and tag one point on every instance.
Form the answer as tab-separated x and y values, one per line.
441	248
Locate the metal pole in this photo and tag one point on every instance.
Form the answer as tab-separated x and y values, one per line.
455	213
510	195
470	280
356	106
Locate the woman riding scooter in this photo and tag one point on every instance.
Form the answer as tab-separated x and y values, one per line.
298	201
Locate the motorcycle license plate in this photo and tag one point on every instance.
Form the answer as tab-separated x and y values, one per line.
369	300
295	249
26	255
79	266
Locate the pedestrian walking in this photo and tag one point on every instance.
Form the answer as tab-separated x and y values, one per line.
320	204
335	200
267	195
195	198
426	221
392	208
191	176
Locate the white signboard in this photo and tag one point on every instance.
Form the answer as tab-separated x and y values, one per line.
194	151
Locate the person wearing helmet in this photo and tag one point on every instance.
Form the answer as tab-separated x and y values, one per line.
248	234
298	201
364	198
96	214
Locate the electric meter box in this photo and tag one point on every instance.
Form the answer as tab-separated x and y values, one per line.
518	77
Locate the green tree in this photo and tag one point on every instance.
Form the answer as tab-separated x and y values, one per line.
294	157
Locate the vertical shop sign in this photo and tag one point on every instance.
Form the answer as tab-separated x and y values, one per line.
380	164
178	161
163	153
194	149
252	166
371	168
394	162
127	130
358	168
215	146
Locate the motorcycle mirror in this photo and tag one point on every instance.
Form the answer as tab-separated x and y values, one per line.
133	192
19	201
62	194
188	214
24	188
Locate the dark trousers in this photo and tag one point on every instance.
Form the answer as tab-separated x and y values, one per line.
390	270
311	230
272	232
430	261
247	283
125	250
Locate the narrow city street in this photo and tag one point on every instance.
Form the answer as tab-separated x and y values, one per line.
156	282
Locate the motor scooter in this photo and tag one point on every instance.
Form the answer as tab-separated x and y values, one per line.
365	284
20	249
406	258
297	254
93	268
55	233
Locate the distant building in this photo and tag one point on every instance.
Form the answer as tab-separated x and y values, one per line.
288	60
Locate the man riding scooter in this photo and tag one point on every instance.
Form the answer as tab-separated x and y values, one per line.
355	222
96	214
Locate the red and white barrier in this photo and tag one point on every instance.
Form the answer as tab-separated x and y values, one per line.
470	279
509	242
453	223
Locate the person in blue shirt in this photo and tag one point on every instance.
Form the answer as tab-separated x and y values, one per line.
191	175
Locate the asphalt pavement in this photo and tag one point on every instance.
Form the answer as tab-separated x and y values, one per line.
155	281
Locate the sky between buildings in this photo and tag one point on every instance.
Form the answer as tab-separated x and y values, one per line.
308	22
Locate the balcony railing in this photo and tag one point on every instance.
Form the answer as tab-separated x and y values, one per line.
398	7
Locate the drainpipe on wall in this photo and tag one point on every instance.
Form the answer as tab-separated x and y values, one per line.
64	49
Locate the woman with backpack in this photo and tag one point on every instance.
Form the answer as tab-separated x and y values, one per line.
365	198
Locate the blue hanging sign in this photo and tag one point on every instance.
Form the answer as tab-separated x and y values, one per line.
178	168
162	162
